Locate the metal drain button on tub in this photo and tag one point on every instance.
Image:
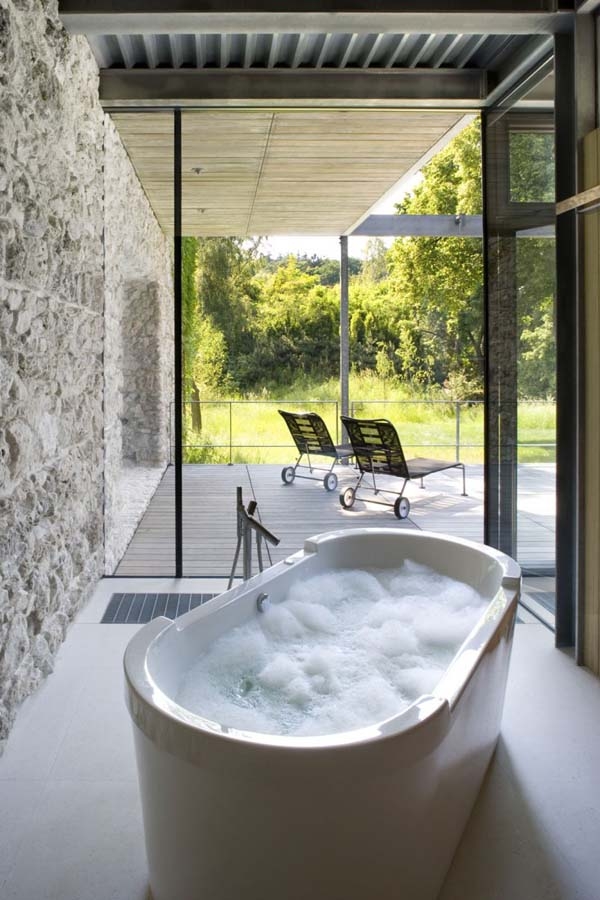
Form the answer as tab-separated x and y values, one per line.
263	602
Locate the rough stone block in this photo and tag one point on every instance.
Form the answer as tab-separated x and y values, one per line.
76	232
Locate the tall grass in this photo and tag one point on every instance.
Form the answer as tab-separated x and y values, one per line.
426	420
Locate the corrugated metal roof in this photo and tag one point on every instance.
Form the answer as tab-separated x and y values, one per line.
304	50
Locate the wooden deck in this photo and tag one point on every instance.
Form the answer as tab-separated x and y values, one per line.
294	512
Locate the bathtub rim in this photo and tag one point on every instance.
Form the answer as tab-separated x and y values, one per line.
155	713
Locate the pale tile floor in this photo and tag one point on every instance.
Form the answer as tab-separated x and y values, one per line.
71	828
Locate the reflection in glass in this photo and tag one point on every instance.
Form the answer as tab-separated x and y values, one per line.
532	167
521	411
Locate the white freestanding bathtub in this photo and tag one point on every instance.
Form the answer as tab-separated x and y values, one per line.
370	814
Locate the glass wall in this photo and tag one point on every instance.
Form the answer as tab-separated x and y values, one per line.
416	321
521	345
139	351
215	172
183	173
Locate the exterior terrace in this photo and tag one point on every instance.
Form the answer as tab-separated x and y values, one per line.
294	512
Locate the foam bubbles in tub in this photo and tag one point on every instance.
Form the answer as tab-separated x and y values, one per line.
343	650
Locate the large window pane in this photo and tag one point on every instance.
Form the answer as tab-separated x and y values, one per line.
521	345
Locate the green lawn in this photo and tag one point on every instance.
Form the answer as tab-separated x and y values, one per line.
427	424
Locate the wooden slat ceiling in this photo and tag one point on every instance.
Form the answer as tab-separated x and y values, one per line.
283	172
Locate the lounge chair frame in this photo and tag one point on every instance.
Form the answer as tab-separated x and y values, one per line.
312	438
378	451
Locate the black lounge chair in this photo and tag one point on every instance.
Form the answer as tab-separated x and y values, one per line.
378	451
311	436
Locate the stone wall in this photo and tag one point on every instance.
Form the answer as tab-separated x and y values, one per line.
52	335
51	328
138	350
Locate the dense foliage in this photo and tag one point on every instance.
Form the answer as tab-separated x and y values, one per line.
254	323
437	283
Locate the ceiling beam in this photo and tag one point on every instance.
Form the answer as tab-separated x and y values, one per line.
292	16
405	225
124	88
535	56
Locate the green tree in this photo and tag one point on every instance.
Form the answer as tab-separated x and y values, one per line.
191	333
373	323
210	365
295	327
535	311
228	294
327	270
375	265
437	283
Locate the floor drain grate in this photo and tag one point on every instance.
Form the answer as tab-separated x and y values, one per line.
137	609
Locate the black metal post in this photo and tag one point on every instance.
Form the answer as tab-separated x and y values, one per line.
344	327
178	338
567	349
490	407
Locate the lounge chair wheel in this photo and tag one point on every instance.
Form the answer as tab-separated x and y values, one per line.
402	507
347	498
330	481
288	474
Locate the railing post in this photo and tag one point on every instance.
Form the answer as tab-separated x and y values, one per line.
457	415
230	463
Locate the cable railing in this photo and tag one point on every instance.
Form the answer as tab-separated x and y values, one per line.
228	431
224	420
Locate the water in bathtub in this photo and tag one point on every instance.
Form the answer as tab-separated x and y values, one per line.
343	650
